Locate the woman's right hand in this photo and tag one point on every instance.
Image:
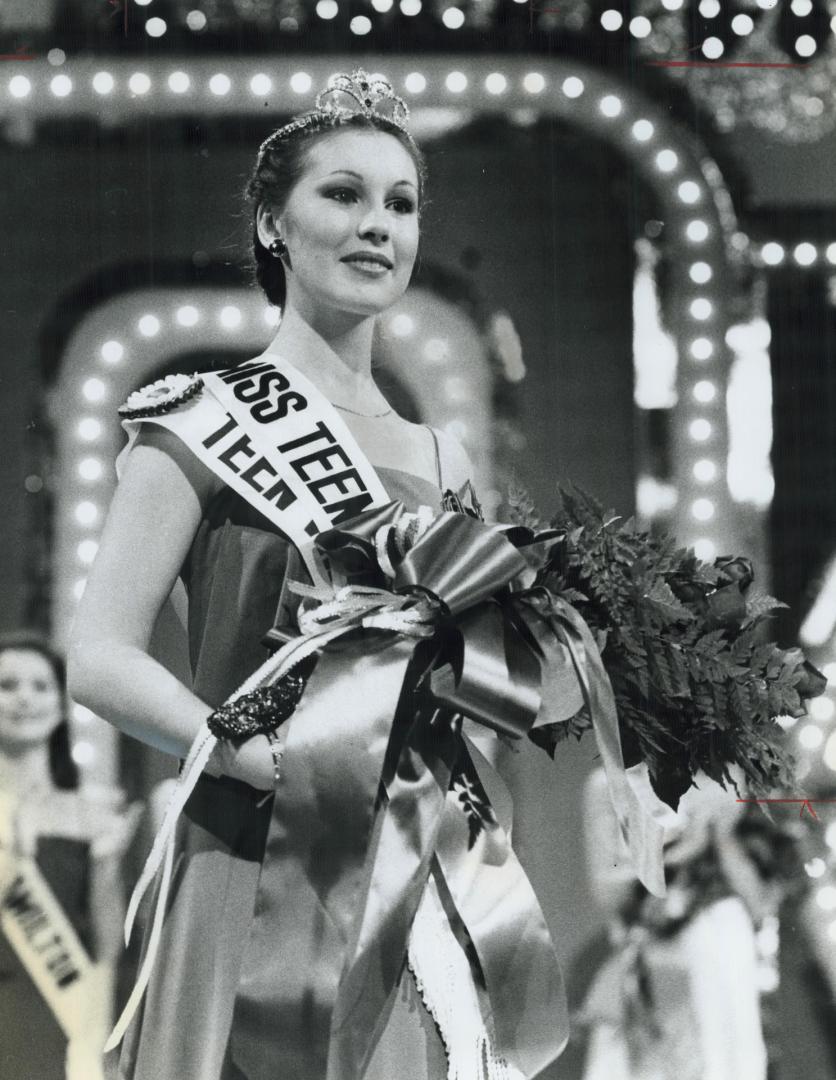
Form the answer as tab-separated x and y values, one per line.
250	762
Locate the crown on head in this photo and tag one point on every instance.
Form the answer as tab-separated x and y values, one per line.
357	94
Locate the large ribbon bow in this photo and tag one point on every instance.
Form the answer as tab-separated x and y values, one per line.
513	656
490	648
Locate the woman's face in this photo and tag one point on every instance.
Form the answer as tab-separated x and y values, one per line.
351	224
30	699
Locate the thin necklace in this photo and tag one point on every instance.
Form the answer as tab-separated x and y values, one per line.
369	416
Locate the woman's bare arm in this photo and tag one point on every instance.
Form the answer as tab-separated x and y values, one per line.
152	520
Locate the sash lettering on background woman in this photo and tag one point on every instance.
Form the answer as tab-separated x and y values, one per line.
46	944
369	856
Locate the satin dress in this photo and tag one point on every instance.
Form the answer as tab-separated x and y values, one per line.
236	577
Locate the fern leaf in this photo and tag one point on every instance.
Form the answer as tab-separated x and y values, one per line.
522	509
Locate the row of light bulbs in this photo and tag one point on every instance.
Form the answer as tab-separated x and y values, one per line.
700	311
453	18
804	254
261	85
701	430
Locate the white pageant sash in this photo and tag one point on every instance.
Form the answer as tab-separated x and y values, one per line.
45	941
271	436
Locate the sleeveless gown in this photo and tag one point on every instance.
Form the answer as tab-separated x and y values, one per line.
236	575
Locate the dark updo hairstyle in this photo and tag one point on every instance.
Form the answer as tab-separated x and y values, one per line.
281	164
63	769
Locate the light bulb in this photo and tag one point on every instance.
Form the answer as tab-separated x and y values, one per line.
19	86
139	83
103	82
772	253
667	160
415	82
699	429
642	130
61	86
572	87
453	18
149	325
220	85
178	82
112	352
89	429
94	390
610	105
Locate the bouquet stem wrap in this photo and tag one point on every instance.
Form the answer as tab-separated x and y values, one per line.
364	814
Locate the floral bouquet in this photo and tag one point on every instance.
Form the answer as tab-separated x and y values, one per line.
696	685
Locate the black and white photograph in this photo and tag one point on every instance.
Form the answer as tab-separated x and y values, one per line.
418	540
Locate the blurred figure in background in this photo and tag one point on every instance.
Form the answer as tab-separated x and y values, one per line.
679	993
60	881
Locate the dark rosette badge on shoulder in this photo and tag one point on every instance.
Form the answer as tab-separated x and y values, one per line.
161	396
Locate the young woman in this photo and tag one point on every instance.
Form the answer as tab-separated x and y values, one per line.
278	956
679	993
59	849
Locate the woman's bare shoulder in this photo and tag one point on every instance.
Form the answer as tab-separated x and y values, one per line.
159	451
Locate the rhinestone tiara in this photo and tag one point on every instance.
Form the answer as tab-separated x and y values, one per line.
357	94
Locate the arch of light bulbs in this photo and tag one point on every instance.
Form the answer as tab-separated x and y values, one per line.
695	202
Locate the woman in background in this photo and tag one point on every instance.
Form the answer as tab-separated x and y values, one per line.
60	850
679	994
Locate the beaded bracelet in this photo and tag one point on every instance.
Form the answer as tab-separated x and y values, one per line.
278	752
260	710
